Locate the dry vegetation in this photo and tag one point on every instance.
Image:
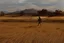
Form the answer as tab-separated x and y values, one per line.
31	19
29	32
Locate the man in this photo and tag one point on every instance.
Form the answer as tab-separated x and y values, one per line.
39	21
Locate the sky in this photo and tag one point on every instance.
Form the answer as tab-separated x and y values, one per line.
13	5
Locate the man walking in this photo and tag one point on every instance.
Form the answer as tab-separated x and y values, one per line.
39	21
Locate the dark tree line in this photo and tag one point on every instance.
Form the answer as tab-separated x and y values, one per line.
43	12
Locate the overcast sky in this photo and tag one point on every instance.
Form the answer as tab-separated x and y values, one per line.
12	5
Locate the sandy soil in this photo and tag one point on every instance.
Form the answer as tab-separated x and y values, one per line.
29	32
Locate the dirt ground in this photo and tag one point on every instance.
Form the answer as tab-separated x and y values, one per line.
29	32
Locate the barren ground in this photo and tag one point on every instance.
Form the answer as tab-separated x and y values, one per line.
29	32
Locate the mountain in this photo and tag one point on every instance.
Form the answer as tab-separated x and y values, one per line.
30	11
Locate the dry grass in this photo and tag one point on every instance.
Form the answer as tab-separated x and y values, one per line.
31	19
29	32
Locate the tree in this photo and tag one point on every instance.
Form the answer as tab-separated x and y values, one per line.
2	13
58	12
43	12
21	13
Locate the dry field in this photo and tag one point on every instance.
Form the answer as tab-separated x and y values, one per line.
29	32
31	19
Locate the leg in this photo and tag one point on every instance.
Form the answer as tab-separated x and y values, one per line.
39	23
